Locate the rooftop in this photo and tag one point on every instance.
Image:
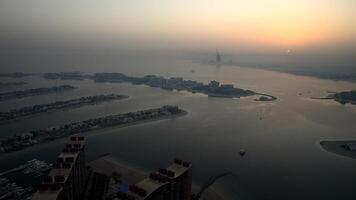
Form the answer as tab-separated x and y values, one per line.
178	169
149	185
53	183
46	194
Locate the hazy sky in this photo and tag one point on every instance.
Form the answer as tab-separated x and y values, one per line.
241	25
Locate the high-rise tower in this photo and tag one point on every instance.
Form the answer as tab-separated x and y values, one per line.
218	58
171	183
68	176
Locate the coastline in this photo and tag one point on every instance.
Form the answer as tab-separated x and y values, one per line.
212	89
19	94
225	95
62	140
123	97
335	147
345	97
340	101
268	97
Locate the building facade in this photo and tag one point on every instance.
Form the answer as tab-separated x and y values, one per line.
171	183
68	176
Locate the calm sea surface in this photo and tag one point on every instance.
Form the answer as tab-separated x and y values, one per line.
283	159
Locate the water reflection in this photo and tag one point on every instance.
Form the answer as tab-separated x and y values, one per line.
283	159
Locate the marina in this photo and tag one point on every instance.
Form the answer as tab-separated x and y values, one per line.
11	190
33	167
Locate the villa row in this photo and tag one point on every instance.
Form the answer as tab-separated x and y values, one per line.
22	141
33	92
58	105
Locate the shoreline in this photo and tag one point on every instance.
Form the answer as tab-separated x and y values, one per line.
345	97
123	97
271	97
89	133
335	147
337	100
19	94
212	89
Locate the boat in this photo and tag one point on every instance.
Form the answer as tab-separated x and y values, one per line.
242	152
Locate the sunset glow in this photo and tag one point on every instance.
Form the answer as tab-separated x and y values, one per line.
255	23
228	99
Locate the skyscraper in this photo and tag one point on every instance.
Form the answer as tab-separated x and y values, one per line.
218	58
68	176
172	183
180	178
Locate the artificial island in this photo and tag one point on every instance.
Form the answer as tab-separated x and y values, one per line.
345	97
342	97
344	148
11	84
27	111
16	75
212	89
34	92
25	140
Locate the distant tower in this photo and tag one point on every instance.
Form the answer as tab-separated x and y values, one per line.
218	57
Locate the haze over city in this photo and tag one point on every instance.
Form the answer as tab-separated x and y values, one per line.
178	100
235	25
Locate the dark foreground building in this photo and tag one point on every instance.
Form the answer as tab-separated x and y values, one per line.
171	183
68	176
71	178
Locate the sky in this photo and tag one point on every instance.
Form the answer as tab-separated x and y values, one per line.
258	26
